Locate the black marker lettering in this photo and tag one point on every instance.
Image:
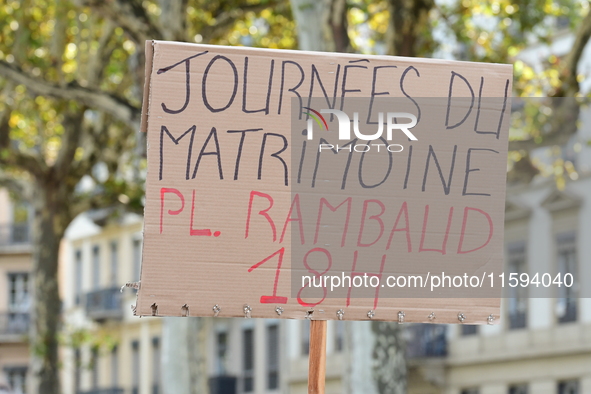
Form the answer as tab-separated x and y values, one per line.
239	154
164	129
344	89
275	155
293	90
213	133
402	78
469	170
360	172
451	84
244	84
316	75
447	186
374	93
187	62
204	84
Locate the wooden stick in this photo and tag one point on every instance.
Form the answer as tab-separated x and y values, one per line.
317	362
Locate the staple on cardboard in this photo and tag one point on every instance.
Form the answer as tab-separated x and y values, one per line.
185	310
216	310
401	315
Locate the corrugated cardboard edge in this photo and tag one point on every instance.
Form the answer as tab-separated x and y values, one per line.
353	56
149	54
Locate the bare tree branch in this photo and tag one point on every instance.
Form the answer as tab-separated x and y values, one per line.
97	99
129	15
569	74
5	128
14	157
174	16
24	161
72	124
96	67
226	19
565	111
17	185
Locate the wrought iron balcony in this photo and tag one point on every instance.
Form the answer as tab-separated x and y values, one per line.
14	325
104	304
15	234
426	340
517	320
223	384
113	390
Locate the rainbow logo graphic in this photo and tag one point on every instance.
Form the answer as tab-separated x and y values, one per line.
317	117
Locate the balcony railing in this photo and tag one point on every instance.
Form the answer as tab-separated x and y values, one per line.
426	340
14	323
568	310
223	385
112	390
517	320
15	234
104	304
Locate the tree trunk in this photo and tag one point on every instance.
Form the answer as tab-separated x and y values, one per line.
196	343
184	364
408	20
50	221
321	25
389	358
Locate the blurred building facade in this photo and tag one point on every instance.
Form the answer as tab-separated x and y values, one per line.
106	349
15	292
543	344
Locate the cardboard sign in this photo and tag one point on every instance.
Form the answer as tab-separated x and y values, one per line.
257	207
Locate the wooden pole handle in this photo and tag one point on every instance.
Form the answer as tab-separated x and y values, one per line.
317	362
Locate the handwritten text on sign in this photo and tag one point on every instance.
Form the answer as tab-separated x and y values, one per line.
246	196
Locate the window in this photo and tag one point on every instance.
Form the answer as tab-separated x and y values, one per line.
95	368
473	390
339	335
114	367
20	225
135	367
17	379
77	370
18	292
248	360
96	267
517	389
156	374
566	303
137	258
78	274
568	387
221	352
517	301
469	329
114	262
273	357
18	303
305	337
